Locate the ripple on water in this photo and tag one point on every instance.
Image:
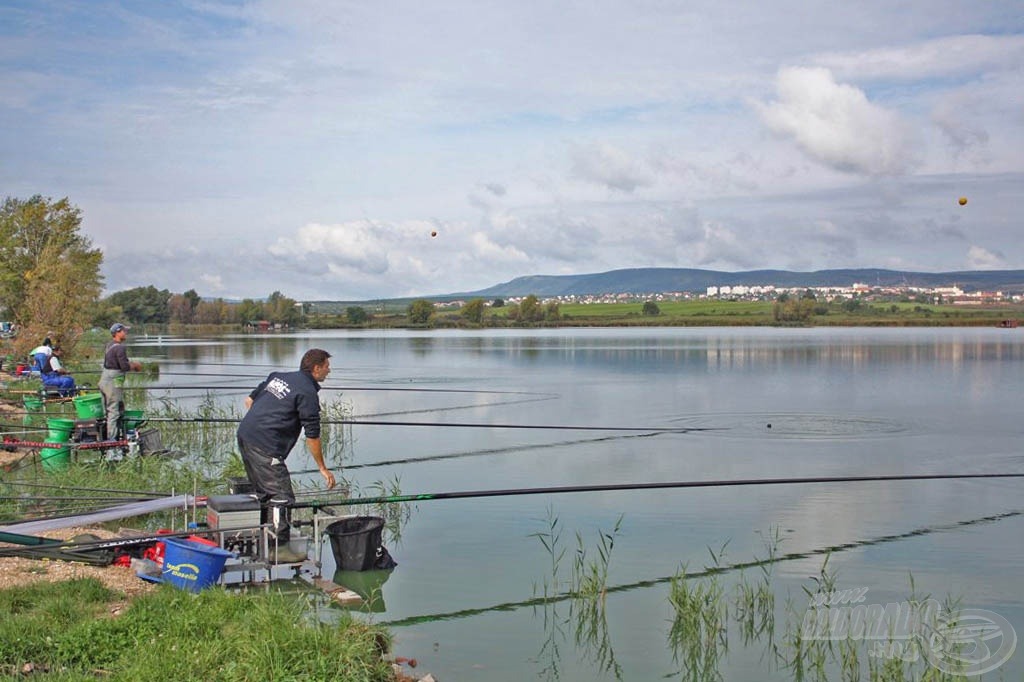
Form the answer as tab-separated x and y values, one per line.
794	425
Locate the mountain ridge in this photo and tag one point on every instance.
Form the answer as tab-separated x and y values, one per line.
653	280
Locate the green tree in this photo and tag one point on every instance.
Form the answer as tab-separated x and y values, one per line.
651	308
282	310
143	304
529	309
474	310
420	311
498	303
49	272
793	310
551	311
250	310
356	314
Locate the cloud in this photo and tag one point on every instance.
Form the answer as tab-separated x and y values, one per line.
357	245
835	124
955	56
604	164
213	283
979	258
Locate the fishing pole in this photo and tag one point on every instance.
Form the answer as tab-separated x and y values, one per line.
420	497
708	571
470	425
397	389
485	453
146	493
113	543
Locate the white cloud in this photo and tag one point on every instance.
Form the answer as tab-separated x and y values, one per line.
214	283
979	258
835	124
954	56
609	166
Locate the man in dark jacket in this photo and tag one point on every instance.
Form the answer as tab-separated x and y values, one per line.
278	410
115	366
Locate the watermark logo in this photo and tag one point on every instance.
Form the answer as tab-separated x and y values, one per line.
962	642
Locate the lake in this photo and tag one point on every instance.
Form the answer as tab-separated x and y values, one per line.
466	599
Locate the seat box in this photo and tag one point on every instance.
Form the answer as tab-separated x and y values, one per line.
232	511
89	430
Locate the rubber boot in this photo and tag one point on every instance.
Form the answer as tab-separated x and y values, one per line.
280	517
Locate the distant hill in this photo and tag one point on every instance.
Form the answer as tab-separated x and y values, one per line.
649	280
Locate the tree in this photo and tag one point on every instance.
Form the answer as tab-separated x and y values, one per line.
282	310
180	309
211	312
793	310
420	311
49	273
529	309
498	303
651	308
250	310
356	314
143	304
551	311
474	310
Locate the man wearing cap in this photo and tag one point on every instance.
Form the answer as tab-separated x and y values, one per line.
115	366
277	411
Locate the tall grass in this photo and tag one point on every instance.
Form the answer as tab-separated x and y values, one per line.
66	630
587	589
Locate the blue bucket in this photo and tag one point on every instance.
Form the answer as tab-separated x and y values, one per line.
192	566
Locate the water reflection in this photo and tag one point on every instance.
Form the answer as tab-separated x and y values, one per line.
367	584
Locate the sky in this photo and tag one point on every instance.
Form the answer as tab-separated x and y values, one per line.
312	147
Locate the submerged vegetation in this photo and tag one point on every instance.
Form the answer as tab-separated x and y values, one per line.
713	608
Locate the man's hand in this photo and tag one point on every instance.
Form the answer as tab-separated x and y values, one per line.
329	477
135	366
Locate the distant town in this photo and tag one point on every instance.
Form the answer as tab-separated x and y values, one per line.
951	295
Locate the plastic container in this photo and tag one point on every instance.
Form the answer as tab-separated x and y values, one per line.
192	566
133	419
55	459
355	542
89	406
59	429
32	403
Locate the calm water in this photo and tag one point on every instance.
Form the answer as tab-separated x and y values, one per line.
839	403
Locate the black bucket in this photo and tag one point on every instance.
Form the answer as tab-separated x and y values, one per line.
356	542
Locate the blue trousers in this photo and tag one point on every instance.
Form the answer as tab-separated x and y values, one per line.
62	382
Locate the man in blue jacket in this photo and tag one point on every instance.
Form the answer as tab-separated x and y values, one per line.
277	411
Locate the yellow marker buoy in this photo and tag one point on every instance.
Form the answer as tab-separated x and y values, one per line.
963	200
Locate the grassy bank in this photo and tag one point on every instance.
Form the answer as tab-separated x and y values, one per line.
67	631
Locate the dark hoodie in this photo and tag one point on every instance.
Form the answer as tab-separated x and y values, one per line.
282	406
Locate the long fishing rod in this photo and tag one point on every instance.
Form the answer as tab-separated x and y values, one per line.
469	425
546	599
530	447
463	494
397	389
29	484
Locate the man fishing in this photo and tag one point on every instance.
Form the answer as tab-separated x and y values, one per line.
282	406
116	366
